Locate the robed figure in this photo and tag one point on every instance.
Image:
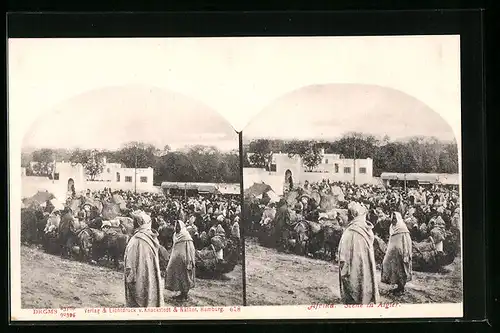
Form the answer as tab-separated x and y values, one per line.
180	274
281	221
396	267
143	287
357	260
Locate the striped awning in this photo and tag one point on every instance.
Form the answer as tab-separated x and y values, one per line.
425	178
207	188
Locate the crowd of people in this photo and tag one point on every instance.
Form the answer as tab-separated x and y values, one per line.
405	228
423	209
163	240
202	214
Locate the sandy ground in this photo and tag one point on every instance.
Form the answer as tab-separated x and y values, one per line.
47	281
273	278
284	279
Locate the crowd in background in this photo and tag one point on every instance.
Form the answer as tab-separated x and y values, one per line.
431	213
211	219
422	208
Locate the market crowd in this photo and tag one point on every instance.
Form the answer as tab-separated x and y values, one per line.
395	228
163	240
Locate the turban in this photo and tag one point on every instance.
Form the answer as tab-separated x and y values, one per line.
356	209
141	217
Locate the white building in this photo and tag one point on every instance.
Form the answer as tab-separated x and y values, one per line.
66	174
109	171
333	167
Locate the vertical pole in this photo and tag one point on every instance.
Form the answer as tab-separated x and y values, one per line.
135	171
354	163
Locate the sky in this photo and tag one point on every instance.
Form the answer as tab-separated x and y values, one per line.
331	110
107	118
238	78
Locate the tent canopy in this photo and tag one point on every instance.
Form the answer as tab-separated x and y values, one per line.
207	188
450	179
40	197
229	189
423	178
258	189
420	177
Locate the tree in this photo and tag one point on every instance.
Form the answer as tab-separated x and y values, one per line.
112	156
261	153
175	167
246	160
448	159
44	162
198	164
297	147
92	161
355	145
142	153
62	154
205	160
166	150
417	154
259	160
26	158
309	152
232	160
95	164
312	157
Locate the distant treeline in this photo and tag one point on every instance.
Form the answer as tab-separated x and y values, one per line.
193	164
416	154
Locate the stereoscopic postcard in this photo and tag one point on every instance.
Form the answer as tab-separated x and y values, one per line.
131	199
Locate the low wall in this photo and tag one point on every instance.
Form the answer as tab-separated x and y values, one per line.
30	185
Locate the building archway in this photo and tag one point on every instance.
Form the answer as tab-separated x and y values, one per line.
288	179
71	186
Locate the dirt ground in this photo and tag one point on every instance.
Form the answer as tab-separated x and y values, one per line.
284	279
273	278
47	281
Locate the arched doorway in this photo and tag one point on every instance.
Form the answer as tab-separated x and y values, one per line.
71	184
288	179
71	187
